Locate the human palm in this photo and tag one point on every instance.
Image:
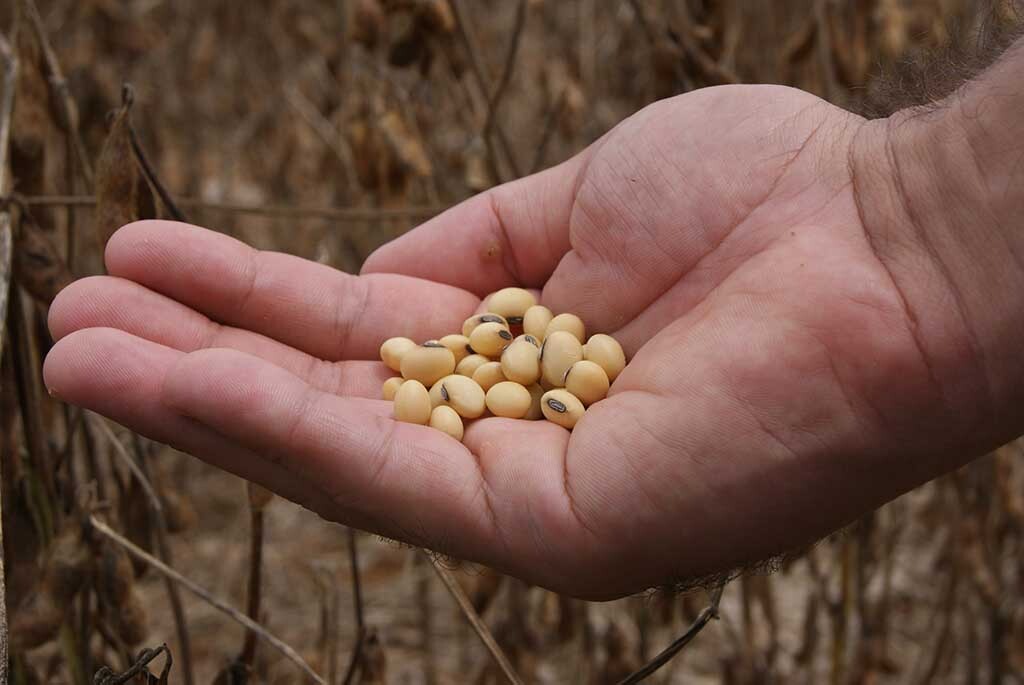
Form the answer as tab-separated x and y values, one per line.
716	235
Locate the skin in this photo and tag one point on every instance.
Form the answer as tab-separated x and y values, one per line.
814	307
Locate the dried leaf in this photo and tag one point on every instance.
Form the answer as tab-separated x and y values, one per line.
117	179
37	265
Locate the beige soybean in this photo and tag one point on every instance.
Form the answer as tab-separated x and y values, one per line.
470	364
528	338
561	407
536	392
560	351
428	363
567	322
606	352
446	420
511	303
392	351
412	403
390	387
459	346
509	400
487	375
462	394
472	322
520	362
489	339
536	320
587	381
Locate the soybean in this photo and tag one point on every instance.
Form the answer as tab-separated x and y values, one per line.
487	375
412	403
390	387
490	338
472	322
428	363
561	350
511	303
536	320
446	420
470	364
462	394
459	346
392	351
561	407
509	400
520	362
606	352
567	322
528	338
587	381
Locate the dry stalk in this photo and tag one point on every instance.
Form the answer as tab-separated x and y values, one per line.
6	108
357	603
203	594
482	631
554	114
323	128
499	92
127	97
258	499
824	45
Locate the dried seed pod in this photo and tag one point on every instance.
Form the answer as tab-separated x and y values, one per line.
536	392
488	374
567	322
392	351
536	320
67	565
179	513
115	577
459	345
606	352
561	407
472	322
447	420
587	381
35	624
520	362
489	339
470	364
390	387
526	337
428	363
462	394
130	620
511	303
561	350
412	403
508	399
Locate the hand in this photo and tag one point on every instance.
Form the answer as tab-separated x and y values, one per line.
774	367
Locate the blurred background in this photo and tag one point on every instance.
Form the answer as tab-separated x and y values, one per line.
325	129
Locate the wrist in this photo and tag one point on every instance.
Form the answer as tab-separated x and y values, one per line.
941	196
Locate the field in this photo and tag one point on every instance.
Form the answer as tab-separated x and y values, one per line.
324	129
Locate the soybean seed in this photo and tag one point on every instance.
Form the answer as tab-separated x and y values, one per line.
490	338
509	400
560	351
561	407
587	381
436	400
511	303
427	363
528	338
392	351
487	375
567	322
606	352
472	322
390	387
536	320
536	392
412	403
520	362
459	346
446	420
462	394
470	364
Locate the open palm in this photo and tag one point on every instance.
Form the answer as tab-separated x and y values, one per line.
717	235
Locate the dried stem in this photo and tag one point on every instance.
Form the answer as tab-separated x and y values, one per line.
824	46
550	122
709	612
248	655
163	549
312	116
482	631
205	595
503	81
357	602
127	97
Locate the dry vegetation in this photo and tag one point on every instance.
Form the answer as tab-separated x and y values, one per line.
324	129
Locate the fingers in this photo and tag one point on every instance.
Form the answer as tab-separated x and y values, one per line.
108	302
312	307
514	234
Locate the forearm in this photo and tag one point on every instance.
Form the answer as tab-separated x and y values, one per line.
941	194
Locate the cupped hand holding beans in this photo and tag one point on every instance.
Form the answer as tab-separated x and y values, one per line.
783	375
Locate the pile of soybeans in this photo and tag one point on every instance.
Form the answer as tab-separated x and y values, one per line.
547	371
